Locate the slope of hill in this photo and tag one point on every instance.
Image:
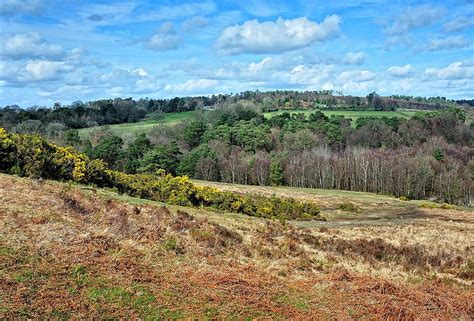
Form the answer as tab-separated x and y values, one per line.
70	251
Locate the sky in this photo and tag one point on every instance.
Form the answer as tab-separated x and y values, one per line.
64	51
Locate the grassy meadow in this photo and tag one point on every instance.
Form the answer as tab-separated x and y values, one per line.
142	126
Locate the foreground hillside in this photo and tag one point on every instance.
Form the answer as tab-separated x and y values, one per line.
73	251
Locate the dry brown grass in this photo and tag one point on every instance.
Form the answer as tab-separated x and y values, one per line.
73	253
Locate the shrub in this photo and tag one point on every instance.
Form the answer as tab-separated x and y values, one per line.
32	155
443	206
349	207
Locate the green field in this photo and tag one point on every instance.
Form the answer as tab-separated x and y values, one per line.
175	118
142	126
353	114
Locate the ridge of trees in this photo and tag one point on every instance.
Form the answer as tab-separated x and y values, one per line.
116	111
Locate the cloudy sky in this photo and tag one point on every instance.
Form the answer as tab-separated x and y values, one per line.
83	50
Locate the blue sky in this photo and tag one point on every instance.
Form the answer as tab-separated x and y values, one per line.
62	51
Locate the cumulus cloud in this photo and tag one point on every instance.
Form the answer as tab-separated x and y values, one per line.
20	73
354	58
306	76
192	86
44	70
447	43
455	70
165	38
282	35
459	23
400	71
194	23
29	45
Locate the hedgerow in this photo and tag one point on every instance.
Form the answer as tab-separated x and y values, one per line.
33	156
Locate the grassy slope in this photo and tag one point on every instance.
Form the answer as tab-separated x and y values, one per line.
73	251
143	126
375	208
175	118
354	114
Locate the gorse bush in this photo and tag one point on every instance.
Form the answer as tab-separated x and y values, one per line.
33	156
349	207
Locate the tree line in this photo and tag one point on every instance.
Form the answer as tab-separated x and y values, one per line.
428	156
51	120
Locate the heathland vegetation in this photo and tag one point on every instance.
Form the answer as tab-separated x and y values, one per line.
214	213
71	251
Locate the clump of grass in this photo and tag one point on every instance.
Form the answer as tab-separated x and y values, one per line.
403	198
136	298
349	207
467	270
184	221
172	244
216	236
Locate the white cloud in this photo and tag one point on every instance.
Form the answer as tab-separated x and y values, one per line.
44	70
356	76
194	23
455	70
307	76
412	17
31	71
447	43
192	86
400	71
458	24
141	72
255	67
282	35
165	38
29	45
354	58
186	9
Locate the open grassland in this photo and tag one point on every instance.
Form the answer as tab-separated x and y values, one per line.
142	126
352	114
70	251
176	118
343	207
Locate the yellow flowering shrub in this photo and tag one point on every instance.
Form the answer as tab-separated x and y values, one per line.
32	155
